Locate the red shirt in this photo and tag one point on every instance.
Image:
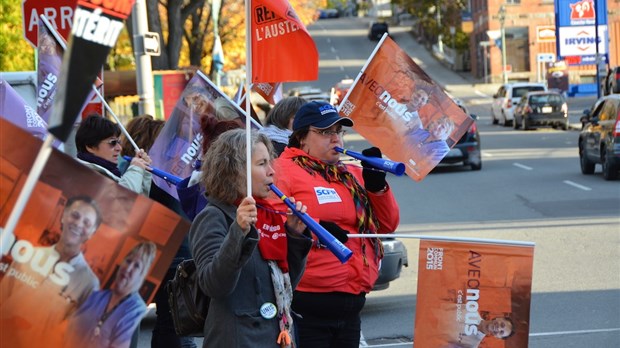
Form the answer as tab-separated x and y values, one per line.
333	202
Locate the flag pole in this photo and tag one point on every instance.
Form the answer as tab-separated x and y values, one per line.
248	77
372	55
24	195
447	239
62	44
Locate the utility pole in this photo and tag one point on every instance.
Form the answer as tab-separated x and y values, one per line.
439	36
502	19
144	69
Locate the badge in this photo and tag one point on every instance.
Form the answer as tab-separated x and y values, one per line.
268	310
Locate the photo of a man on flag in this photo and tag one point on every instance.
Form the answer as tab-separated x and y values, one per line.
397	107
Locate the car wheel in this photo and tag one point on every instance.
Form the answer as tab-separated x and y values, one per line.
564	125
476	166
524	124
515	124
587	166
610	171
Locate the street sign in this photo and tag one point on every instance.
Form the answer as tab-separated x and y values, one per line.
58	12
151	44
546	57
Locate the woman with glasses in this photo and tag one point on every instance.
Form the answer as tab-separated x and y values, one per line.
346	199
98	146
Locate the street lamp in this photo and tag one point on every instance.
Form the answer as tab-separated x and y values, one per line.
502	19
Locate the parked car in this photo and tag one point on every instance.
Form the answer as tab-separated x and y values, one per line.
340	90
612	81
323	97
395	257
304	91
507	97
541	109
376	30
467	149
599	140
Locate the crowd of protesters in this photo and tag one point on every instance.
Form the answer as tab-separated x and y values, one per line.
271	281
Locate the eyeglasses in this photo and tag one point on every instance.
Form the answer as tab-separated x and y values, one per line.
114	142
329	133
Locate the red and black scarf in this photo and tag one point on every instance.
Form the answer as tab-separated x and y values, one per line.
366	221
272	234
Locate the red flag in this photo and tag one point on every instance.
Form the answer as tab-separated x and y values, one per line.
282	49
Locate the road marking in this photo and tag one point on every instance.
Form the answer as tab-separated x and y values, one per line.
575	332
539	334
522	166
574	184
333	49
481	94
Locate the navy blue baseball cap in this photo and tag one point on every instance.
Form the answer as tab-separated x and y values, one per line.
320	115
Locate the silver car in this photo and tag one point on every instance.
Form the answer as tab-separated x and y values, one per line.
507	98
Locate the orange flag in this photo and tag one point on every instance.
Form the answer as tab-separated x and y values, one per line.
282	49
473	295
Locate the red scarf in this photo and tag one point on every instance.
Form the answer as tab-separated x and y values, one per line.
272	234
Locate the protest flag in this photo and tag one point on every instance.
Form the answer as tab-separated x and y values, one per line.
397	107
49	54
473	294
15	109
240	98
218	55
179	144
271	92
281	48
50	49
39	297
96	26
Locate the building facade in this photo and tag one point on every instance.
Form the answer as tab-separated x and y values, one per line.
529	30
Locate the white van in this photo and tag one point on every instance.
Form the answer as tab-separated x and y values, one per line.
507	98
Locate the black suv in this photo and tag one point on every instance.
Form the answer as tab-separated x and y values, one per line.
599	140
377	29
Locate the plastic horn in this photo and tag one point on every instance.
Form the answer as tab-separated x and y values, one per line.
174	180
334	245
396	168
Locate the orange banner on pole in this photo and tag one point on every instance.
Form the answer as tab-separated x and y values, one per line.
282	48
473	295
397	107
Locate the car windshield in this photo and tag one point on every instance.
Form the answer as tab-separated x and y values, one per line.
542	99
518	92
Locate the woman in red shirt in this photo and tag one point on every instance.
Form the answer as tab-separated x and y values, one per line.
345	199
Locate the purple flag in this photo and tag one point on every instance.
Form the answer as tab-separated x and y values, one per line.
96	26
14	109
49	52
179	143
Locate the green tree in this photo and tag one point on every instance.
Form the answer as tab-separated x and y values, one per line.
16	54
428	27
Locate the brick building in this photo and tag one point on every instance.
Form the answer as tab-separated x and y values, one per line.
529	31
